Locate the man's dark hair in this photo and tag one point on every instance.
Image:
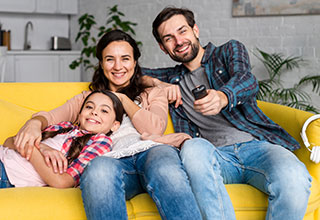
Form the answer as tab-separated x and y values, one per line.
166	14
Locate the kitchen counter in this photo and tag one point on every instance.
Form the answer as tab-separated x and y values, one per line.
43	52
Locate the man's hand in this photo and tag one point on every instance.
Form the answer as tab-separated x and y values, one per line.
212	103
28	137
54	159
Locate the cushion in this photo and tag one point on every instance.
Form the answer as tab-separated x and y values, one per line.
12	119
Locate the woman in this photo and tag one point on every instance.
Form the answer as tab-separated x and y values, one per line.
134	165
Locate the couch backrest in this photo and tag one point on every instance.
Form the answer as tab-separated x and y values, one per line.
18	101
40	96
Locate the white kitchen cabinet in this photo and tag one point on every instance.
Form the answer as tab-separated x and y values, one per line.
67	74
38	66
47	6
40	6
68	6
18	5
9	76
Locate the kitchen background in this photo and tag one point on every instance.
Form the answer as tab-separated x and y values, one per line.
296	35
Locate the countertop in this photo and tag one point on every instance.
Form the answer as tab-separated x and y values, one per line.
43	52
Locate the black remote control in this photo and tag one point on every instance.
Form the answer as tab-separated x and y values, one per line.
199	92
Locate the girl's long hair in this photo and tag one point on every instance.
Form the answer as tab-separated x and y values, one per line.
78	143
100	81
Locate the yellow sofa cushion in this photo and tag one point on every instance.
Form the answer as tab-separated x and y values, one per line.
61	204
12	117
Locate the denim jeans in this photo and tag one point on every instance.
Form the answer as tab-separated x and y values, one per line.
4	181
270	168
107	183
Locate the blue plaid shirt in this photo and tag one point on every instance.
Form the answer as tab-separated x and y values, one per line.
228	70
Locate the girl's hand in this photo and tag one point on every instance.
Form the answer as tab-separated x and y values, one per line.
54	159
28	137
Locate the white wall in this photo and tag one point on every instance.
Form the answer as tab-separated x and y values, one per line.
290	35
44	27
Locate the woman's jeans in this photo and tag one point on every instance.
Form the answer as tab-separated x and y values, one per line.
270	168
4	181
107	183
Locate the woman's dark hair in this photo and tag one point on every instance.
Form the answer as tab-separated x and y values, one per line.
166	14
100	81
79	142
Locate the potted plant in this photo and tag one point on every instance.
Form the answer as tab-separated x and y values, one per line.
272	89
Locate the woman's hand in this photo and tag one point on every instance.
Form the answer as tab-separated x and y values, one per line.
173	92
29	136
120	96
129	106
54	159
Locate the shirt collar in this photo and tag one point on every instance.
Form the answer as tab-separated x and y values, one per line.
80	131
209	48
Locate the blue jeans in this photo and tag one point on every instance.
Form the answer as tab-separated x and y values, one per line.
107	183
270	168
4	181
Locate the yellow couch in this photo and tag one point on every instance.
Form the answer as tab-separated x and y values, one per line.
19	100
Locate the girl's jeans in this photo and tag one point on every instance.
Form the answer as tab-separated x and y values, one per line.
270	168
107	183
4	181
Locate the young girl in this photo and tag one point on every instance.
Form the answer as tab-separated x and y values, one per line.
101	114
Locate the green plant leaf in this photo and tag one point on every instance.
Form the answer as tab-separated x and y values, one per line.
74	64
314	80
82	18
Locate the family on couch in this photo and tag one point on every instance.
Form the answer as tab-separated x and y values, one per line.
184	176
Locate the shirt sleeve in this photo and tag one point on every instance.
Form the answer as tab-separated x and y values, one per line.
242	85
161	73
152	118
67	112
97	145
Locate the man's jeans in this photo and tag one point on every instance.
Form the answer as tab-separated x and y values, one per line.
270	168
107	183
4	181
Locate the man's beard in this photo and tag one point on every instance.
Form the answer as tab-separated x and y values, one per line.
185	58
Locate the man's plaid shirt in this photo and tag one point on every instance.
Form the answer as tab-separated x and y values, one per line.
228	70
97	145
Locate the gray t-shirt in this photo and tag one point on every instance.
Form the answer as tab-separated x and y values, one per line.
215	128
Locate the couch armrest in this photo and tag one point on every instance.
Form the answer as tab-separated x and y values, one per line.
292	121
